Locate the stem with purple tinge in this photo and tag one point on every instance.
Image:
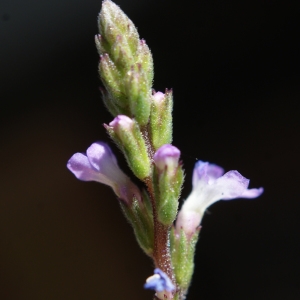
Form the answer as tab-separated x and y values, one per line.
161	251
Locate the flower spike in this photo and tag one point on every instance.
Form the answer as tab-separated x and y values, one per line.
142	129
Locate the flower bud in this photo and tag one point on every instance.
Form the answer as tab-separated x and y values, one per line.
140	216
144	57
127	135
113	22
121	123
167	179
182	253
112	81
167	158
126	65
138	90
161	119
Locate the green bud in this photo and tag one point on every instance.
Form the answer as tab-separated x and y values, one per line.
111	79
113	22
144	57
139	94
121	54
109	103
126	65
127	135
140	216
167	181
101	44
161	119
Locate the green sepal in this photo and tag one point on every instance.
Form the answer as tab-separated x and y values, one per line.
167	189
144	57
182	254
177	297
140	216
161	124
132	144
121	54
101	44
139	94
112	81
109	103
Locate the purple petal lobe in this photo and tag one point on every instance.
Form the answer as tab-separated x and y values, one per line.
214	171
231	185
159	282
205	171
80	166
100	156
200	172
252	193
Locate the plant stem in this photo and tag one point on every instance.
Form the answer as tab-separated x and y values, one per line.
161	253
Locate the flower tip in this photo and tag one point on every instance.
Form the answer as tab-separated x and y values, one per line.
158	97
252	193
167	156
121	120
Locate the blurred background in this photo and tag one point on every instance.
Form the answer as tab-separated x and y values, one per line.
234	68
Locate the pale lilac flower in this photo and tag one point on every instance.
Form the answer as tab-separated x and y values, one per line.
100	164
210	186
167	156
159	282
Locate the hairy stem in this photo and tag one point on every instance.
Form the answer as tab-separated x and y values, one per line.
161	251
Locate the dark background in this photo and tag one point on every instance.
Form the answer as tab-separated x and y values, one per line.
234	69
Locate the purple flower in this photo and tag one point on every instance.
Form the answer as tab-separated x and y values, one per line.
210	186
100	164
159	282
167	156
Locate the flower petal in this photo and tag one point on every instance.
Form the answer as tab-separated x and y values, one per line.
214	171
100	156
80	166
103	160
231	185
205	172
101	165
159	282
252	193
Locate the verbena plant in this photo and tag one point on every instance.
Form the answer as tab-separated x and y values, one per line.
142	129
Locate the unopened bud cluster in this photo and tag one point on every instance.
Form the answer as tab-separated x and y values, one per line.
126	66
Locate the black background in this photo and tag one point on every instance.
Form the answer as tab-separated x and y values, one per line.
234	69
